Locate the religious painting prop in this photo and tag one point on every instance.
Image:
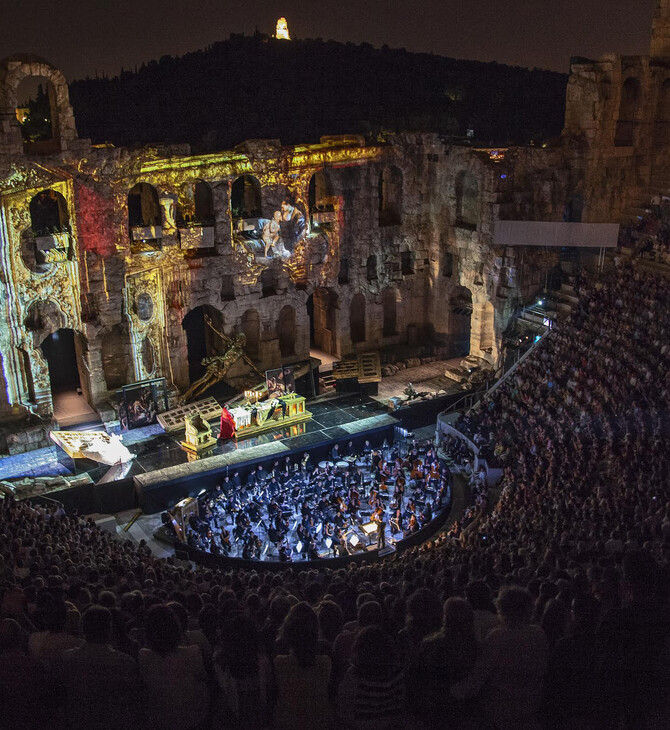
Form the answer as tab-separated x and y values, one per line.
279	382
140	403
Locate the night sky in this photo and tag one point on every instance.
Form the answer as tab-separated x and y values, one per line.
81	37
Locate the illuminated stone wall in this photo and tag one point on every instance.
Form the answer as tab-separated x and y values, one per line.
394	234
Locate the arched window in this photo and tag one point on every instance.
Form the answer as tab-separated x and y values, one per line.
662	121
37	114
49	214
144	217
204	203
286	331
467	200
143	206
251	328
390	197
245	197
269	282
50	224
357	318
628	113
320	193
390	310
371	267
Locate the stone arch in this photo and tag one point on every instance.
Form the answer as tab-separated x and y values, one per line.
390	312
43	317
201	340
460	320
629	111
286	331
662	116
250	325
357	318
467	200
15	70
245	198
390	196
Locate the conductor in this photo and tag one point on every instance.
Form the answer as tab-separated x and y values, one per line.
381	534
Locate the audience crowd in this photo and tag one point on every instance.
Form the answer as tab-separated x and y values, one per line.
548	609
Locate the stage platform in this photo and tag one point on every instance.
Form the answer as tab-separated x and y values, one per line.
162	472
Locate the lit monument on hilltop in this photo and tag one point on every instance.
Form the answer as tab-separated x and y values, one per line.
282	30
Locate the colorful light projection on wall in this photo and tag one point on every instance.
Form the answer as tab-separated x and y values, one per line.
271	238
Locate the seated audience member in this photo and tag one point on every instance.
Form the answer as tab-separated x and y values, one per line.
372	693
443	659
101	684
511	665
302	676
243	674
24	691
174	689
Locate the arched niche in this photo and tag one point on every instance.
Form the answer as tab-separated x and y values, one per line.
245	198
357	318
390	313
286	331
629	110
467	200
390	196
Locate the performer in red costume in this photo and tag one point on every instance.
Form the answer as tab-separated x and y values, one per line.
227	424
